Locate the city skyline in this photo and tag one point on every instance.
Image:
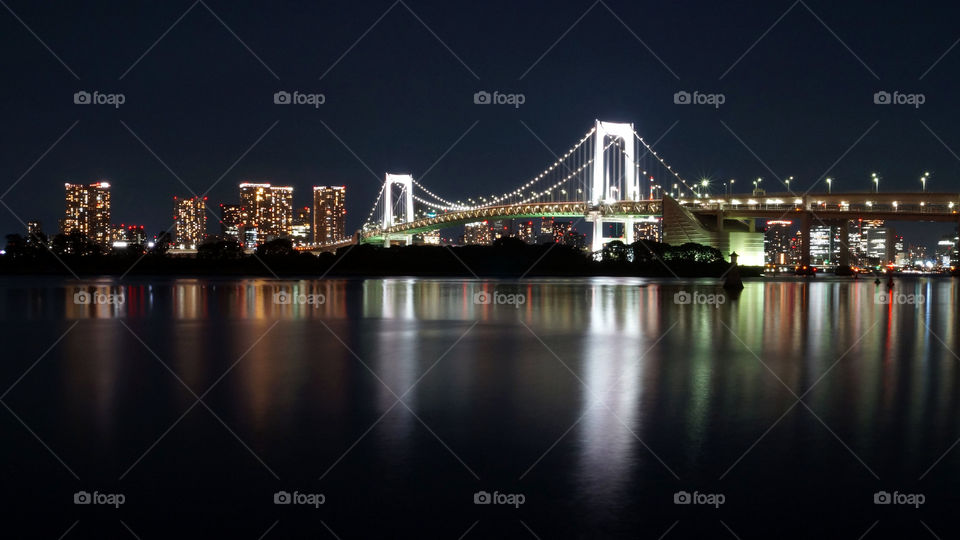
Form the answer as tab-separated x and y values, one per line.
273	206
239	131
432	269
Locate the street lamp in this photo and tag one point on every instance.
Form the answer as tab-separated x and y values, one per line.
731	185
788	183
829	184
876	182
923	180
704	183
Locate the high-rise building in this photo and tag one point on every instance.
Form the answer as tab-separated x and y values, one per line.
267	210
88	211
476	233
821	244
500	228
546	226
777	242
329	214
946	251
124	235
231	221
564	233
254	198
280	220
136	234
191	221
826	243
526	231
431	238
876	242
917	254
560	230
34	232
118	234
648	230
300	230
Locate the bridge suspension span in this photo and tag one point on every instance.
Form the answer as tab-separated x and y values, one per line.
609	175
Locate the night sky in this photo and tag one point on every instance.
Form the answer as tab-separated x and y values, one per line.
800	98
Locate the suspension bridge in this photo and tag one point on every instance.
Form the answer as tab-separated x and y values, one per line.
611	175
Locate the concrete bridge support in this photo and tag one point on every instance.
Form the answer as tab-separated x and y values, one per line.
628	232
599	221
805	237
844	259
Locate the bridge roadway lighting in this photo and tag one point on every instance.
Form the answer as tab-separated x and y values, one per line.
829	184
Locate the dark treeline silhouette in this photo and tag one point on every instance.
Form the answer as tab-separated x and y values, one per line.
507	257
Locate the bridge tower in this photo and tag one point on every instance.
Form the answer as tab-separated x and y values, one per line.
405	181
602	187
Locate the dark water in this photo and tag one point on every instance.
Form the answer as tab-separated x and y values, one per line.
595	400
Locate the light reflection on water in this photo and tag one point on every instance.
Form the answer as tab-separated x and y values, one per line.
634	377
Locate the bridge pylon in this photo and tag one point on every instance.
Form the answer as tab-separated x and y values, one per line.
604	188
405	181
602	178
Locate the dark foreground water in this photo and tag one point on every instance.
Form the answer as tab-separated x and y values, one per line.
192	407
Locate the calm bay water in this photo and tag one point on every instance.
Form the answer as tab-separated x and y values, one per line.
593	402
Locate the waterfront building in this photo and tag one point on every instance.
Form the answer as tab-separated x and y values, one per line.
267	209
87	211
329	214
300	230
777	243
476	233
648	230
190	221
231	221
526	232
